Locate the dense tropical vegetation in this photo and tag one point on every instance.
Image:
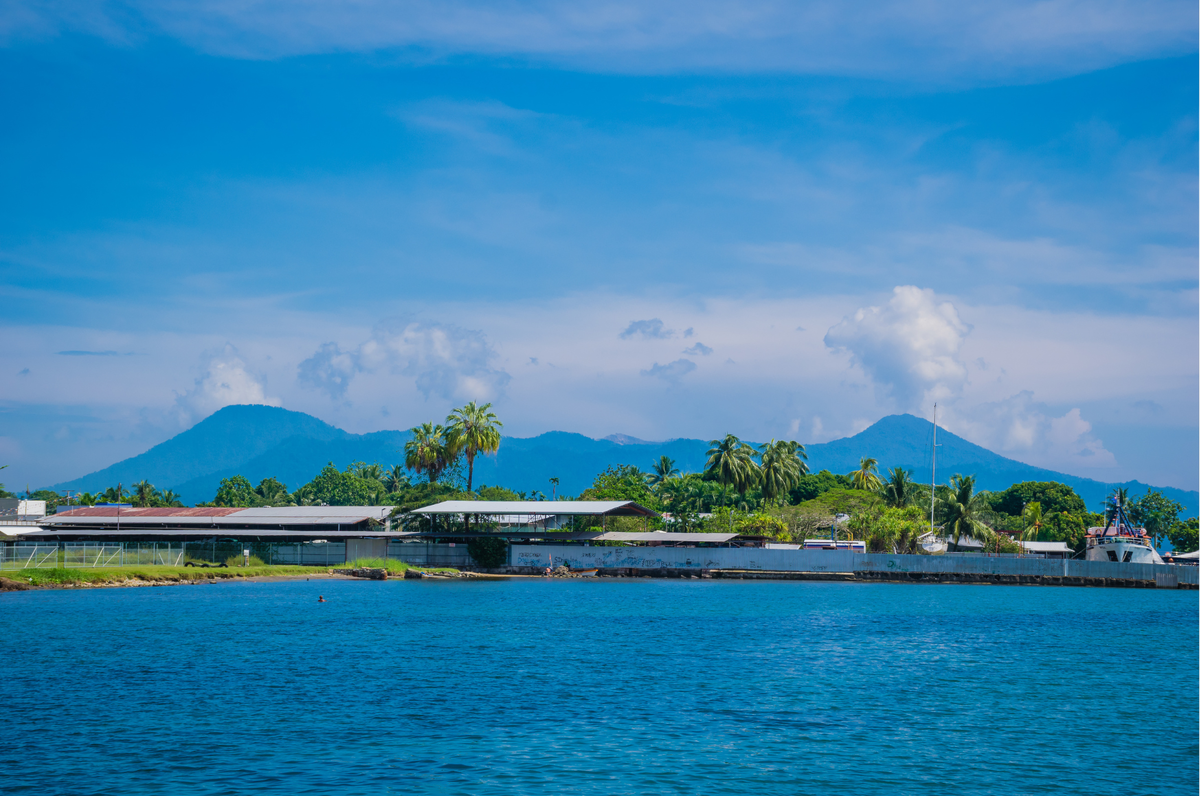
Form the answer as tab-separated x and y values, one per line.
764	490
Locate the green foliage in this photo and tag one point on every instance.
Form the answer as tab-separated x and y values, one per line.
893	529
236	491
472	430
429	451
962	512
758	524
1183	535
731	462
335	488
841	501
1155	512
497	493
664	470
622	482
488	553
867	475
899	490
781	465
813	485
1053	497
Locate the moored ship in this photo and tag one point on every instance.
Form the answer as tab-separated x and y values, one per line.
1120	540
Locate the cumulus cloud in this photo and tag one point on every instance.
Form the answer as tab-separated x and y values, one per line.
225	380
1024	429
652	329
699	349
442	359
672	371
909	347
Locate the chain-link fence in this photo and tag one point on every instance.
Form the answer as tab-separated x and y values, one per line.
229	552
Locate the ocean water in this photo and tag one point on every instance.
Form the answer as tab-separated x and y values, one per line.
598	687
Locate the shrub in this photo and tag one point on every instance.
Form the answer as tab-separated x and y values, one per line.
489	553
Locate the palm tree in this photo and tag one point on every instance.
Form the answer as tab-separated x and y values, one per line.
170	498
867	475
963	509
781	467
664	470
396	479
898	490
473	430
427	451
143	494
274	493
732	462
1032	516
367	472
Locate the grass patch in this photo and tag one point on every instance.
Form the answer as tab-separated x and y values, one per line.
391	565
151	573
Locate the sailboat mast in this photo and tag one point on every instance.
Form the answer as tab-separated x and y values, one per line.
933	470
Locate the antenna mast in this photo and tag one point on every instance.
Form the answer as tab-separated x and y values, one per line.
933	470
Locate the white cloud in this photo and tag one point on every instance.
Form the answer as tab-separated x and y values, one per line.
225	381
909	347
443	360
1028	431
889	38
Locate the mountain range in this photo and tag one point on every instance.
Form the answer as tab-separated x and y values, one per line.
264	441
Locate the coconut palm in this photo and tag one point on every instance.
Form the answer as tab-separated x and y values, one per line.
867	475
898	490
1032	518
963	509
781	467
169	498
367	472
396	479
274	493
427	452
732	462
143	494
473	430
664	470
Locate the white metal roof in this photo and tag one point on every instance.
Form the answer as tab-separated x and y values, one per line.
494	508
616	536
1047	547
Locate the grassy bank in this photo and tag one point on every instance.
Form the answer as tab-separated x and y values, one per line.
100	576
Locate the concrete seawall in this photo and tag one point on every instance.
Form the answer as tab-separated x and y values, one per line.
750	562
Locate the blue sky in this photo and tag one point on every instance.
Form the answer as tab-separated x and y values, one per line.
657	219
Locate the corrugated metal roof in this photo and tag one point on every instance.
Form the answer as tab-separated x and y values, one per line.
142	531
616	536
493	508
111	511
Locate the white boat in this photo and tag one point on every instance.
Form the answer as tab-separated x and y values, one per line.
1121	541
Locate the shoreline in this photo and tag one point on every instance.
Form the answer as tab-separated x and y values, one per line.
10	584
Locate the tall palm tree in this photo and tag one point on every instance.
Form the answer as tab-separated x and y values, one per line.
1032	517
898	490
396	479
473	430
963	509
664	470
427	451
867	475
143	494
781	467
732	462
170	498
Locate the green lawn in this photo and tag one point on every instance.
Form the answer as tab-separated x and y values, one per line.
158	573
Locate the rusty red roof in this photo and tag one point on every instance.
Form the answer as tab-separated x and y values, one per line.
111	511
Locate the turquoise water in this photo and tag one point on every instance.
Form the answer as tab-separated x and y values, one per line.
598	687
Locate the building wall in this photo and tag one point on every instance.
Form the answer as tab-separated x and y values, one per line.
751	558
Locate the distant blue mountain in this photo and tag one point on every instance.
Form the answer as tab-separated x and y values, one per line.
263	441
